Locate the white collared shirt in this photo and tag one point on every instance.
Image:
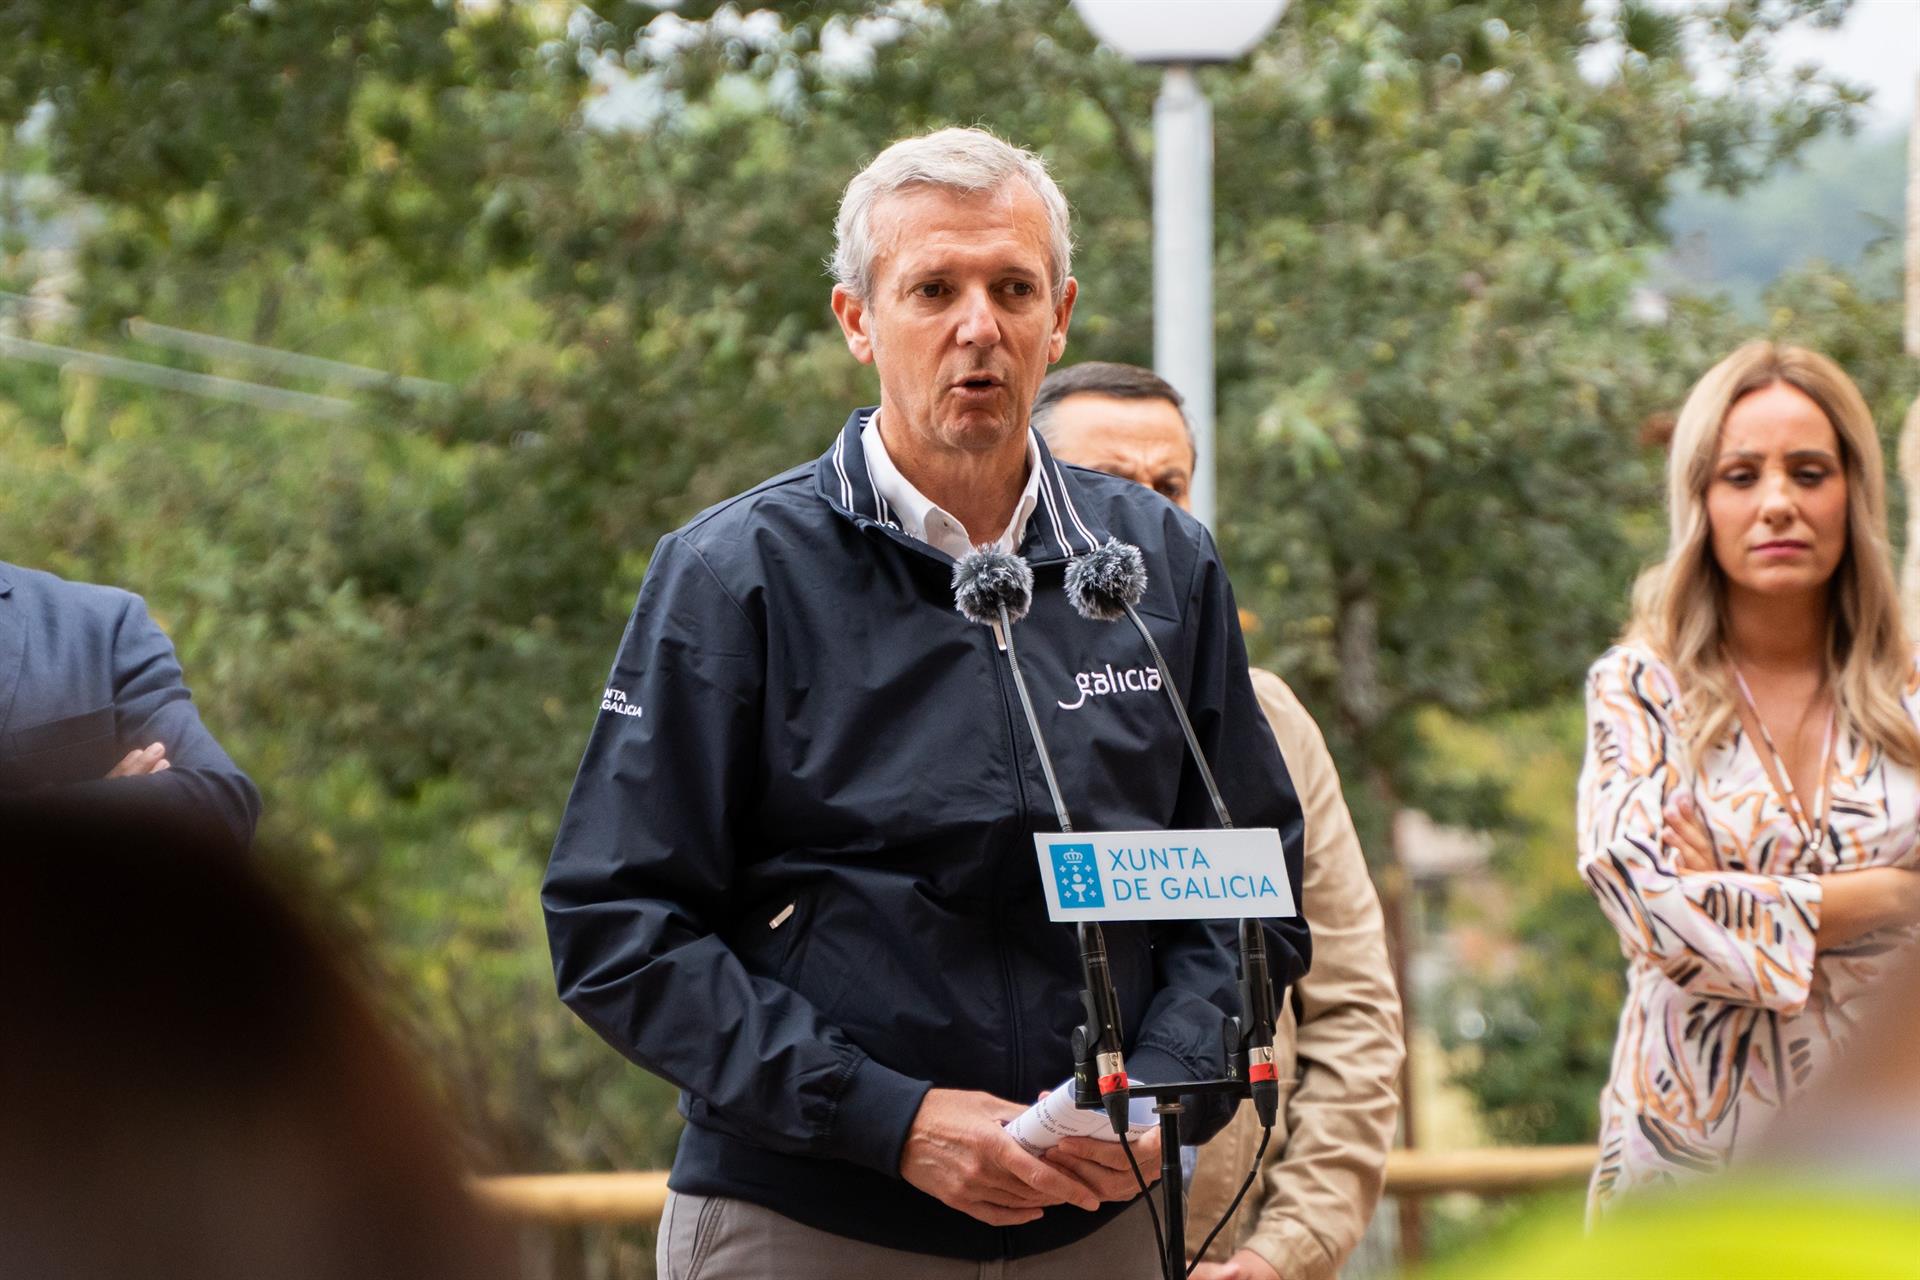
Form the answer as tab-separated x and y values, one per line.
920	518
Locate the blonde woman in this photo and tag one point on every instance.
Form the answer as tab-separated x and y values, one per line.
1749	802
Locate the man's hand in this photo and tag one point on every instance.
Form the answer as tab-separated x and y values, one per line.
959	1153
1101	1166
141	761
1244	1265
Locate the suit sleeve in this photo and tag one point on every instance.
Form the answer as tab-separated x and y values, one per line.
202	787
1196	960
639	890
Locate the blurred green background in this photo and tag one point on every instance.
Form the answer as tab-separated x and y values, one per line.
1470	256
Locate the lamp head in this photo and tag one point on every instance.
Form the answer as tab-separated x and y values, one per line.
1181	30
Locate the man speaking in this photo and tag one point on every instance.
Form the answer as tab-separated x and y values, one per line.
796	876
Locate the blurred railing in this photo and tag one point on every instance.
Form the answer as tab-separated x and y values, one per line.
636	1199
1487	1171
630	1198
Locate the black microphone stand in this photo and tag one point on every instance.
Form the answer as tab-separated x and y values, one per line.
994	589
1244	1038
1169	1108
1105	585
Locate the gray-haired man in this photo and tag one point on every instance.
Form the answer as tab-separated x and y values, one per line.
797	876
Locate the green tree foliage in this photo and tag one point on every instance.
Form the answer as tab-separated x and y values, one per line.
1533	1030
1542	1053
607	230
1435	360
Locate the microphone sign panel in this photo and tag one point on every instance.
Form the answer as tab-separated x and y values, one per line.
1164	875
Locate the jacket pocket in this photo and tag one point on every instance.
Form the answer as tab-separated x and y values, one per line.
776	937
71	749
66	731
689	1232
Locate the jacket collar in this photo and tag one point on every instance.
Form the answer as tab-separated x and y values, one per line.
1063	525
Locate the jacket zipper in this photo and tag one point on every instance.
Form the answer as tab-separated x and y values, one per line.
999	928
1024	813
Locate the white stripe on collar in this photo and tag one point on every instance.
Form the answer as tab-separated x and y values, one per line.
1072	510
840	465
1053	514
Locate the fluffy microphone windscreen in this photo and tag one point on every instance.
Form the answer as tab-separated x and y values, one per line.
1103	582
986	581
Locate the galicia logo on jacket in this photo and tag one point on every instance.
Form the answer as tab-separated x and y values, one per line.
1098	684
615	700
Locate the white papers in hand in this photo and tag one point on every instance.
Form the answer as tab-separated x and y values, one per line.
1054	1117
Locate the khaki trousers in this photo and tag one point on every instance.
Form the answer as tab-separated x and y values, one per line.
716	1238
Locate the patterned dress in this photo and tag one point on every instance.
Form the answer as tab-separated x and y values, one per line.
1729	1011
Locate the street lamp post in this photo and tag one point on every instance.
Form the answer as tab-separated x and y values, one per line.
1183	262
1180	35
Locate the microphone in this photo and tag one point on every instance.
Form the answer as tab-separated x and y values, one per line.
990	585
995	588
1104	585
1253	1029
1101	1041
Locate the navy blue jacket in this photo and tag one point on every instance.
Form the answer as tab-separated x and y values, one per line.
85	677
796	876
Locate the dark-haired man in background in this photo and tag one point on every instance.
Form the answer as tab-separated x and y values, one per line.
1326	1164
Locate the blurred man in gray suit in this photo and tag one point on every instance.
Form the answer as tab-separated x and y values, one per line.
91	698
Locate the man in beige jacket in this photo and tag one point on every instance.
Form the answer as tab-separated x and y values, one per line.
1339	1044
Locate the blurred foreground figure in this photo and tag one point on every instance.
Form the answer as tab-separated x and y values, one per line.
92	696
1749	806
194	1090
1860	1125
1338	1046
1832	1189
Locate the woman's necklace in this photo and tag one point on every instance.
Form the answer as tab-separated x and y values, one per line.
1812	830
